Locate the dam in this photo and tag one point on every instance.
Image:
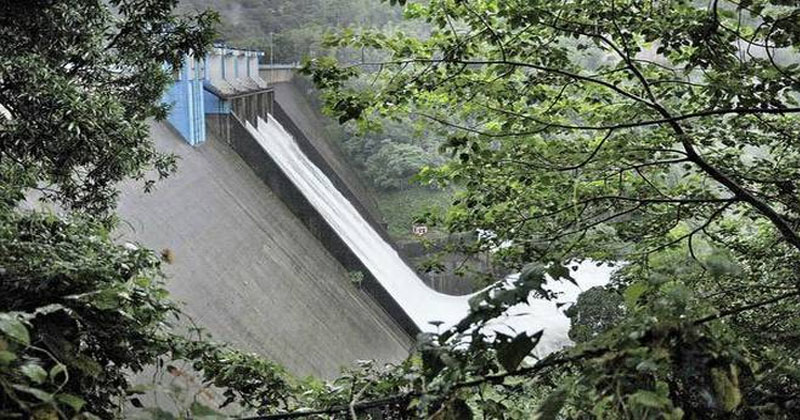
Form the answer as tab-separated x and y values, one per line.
249	271
267	230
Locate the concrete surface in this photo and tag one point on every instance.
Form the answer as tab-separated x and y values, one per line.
250	149
249	271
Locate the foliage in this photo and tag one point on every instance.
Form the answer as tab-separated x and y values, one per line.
247	379
401	208
79	80
661	134
596	311
356	277
79	312
393	166
297	25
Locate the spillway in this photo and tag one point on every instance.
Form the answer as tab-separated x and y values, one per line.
420	303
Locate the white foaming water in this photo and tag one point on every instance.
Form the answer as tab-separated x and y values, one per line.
421	303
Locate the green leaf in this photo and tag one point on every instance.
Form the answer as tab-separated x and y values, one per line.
14	328
726	389
86	364
558	272
75	402
57	370
552	405
107	299
7	357
649	399
34	372
511	353
38	393
633	293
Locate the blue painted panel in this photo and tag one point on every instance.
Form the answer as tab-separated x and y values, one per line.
199	112
185	97
190	101
180	108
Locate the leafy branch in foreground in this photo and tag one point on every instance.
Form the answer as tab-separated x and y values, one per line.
80	314
661	134
649	348
77	313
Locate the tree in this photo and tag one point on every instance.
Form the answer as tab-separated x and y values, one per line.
596	310
297	25
79	82
394	164
619	130
77	312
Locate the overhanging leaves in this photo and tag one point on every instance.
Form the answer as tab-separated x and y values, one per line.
512	351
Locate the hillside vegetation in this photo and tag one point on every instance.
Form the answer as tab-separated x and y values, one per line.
298	25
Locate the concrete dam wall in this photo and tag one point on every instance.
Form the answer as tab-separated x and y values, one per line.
249	270
254	263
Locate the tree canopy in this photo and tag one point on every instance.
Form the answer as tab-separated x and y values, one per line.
296	27
660	136
79	82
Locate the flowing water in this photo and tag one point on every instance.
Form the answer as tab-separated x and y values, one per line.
422	304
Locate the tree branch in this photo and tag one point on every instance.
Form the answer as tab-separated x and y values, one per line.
693	115
738	310
513	63
555	360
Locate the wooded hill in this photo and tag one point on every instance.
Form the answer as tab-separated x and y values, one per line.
297	25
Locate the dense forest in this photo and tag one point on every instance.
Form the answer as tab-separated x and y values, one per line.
661	134
297	25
